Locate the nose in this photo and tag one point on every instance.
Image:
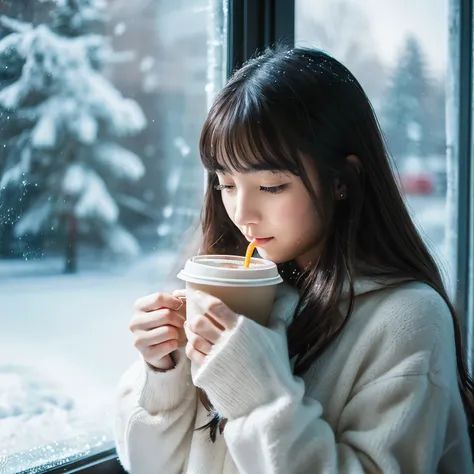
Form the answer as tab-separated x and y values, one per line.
246	211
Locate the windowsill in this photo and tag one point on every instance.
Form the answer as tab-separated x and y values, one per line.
105	462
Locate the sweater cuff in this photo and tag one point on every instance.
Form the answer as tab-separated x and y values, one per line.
165	390
248	369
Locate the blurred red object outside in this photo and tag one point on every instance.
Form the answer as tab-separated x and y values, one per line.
419	183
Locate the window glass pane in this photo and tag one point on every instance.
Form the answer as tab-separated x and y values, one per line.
398	50
101	105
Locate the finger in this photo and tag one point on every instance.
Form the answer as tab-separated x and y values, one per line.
206	328
155	336
216	309
153	354
194	355
179	293
198	342
182	310
153	319
183	339
156	301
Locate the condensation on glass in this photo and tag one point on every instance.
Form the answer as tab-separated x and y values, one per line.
101	106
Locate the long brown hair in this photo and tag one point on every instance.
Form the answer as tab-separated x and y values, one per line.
289	104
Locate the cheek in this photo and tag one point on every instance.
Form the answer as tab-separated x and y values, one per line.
302	223
228	206
285	213
295	212
310	220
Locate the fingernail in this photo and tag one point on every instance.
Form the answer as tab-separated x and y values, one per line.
182	300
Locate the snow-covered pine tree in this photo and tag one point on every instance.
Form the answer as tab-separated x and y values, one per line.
413	109
71	117
13	198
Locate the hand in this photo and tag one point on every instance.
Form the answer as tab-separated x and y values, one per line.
157	327
206	329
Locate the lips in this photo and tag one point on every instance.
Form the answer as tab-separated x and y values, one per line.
259	240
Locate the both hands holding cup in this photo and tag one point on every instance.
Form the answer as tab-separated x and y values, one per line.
219	288
159	327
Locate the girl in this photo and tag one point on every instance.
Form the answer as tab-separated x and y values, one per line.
360	369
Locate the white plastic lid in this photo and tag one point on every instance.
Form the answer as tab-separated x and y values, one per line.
228	270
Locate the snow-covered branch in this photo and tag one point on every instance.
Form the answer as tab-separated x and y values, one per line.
15	25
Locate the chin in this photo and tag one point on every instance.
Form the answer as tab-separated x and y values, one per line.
274	257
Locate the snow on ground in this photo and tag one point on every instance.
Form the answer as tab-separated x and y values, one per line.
63	347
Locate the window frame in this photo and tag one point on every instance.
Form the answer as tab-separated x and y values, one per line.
464	299
104	462
254	25
461	22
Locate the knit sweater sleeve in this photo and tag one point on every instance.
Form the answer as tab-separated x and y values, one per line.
394	424
154	415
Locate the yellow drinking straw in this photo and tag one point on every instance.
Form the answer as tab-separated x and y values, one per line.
249	253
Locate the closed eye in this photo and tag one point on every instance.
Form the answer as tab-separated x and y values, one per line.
267	189
221	187
273	189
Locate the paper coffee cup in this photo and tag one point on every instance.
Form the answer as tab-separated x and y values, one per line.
246	291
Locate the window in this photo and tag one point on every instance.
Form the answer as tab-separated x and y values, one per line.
101	106
399	54
100	111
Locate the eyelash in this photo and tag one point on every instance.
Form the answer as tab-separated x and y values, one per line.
267	189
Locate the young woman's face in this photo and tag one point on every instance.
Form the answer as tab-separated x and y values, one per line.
274	206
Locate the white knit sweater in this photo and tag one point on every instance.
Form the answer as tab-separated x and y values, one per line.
382	399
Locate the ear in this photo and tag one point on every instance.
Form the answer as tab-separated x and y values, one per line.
340	190
354	162
340	187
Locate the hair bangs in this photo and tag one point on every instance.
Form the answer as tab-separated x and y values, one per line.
242	136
